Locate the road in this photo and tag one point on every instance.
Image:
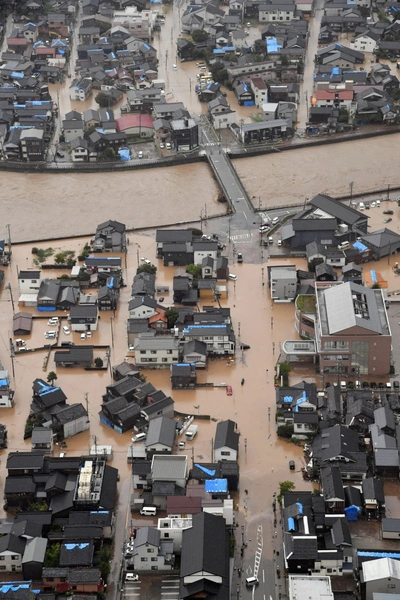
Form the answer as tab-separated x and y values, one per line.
306	88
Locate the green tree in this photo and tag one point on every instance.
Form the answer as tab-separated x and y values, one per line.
219	73
285	368
34	250
285	486
103	100
146	269
199	35
171	314
107	154
98	362
52	377
104	556
59	258
52	556
194	270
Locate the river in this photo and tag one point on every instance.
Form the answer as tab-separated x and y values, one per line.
59	205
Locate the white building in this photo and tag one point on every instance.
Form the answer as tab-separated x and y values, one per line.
155	352
381	576
172	527
283	283
312	587
29	282
226	444
80	89
151	553
142	308
219	339
223	509
204	248
365	42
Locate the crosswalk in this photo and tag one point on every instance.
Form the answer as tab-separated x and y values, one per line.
170	589
241	238
131	590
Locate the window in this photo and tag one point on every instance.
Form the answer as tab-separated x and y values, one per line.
153	351
144	559
166	535
225	453
15	557
2	558
2	567
143	352
164	359
154	568
150	550
154	559
169	351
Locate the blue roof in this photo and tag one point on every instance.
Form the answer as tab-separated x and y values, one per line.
272	44
379	554
216	486
3	381
291	525
17	75
373	275
76	546
299	504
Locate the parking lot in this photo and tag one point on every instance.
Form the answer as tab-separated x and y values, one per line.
152	587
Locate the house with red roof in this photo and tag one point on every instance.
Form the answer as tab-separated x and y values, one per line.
136	125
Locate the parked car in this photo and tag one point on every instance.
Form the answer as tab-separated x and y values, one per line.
373	204
388	220
88	334
50	334
388	212
396	385
19	343
181	445
162	146
292	465
168	146
232	277
83	336
264	228
131	577
140	154
275	220
146	260
66	330
67	344
229	391
52	321
367	205
175	68
361	206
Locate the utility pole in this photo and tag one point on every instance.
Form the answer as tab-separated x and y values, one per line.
8	287
351	185
9	242
12	354
87	402
95	444
112	330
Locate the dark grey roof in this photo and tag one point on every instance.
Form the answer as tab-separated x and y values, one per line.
373	489
353	496
226	435
204	547
12	543
300	548
84	576
75	354
24	460
41	435
161	431
335	208
62	502
76	553
141	467
102	518
332	487
70	413
381	238
108	488
147	535
335	442
173	235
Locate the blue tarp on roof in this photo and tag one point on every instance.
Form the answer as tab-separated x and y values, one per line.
110	284
3	382
248	103
291	525
373	275
352	513
360	246
272	44
205	470
146	46
74	546
216	486
218	51
124	155
288	399
335	71
395	555
17	75
300	400
299	504
228	48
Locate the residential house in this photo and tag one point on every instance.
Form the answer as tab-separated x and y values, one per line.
6	393
12	549
76	554
184	134
183	376
172	528
72	129
78	356
204	248
22	321
373	494
283	283
84	317
71	420
207	569
110	235
390	529
143	307
275	10
155	352
160	436
81	89
383	242
33	558
144	284
32	144
152	552
366	41
226	443
168	477
332	489
338	446
195	352
29	282
79	150
219	339
255	133
42	439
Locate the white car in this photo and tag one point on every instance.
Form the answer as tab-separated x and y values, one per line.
83	336
131	577
140	154
373	204
52	321
168	146
175	68
50	335
264	228
275	220
162	146
232	277
66	330
146	261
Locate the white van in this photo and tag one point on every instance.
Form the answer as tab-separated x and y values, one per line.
343	245
251	581
139	437
361	206
148	511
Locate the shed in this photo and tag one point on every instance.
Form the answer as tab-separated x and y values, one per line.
22	323
391	529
